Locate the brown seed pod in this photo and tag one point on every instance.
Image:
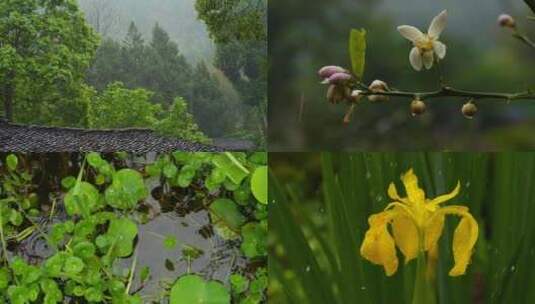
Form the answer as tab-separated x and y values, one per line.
418	107
469	110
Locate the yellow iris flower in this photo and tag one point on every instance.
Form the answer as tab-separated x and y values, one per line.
416	223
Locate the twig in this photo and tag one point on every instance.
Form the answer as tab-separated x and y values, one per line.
452	92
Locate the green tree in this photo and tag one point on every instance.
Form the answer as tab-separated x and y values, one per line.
180	123
168	74
210	107
45	48
119	107
107	66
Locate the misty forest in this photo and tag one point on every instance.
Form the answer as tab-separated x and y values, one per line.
192	69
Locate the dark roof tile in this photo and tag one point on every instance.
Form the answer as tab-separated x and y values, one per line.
39	139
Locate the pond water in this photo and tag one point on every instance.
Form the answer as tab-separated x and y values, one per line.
176	212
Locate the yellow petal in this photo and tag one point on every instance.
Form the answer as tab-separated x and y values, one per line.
464	239
393	192
446	197
406	236
433	231
415	193
378	246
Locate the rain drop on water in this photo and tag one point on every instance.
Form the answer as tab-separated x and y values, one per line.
362	287
368	175
307	269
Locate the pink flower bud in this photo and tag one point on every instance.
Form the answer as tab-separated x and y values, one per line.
505	20
339	78
327	71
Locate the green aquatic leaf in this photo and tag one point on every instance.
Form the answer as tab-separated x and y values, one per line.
194	289
170	242
68	182
170	170
4	278
83	199
73	265
357	51
259	184
254	239
12	162
144	274
121	235
226	212
231	166
84	249
126	190
239	283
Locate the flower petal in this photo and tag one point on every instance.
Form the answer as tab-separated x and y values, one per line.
440	49
415	193
416	59
437	25
406	236
428	59
411	33
378	246
464	239
446	197
433	231
393	192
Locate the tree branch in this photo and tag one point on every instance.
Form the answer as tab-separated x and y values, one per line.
447	91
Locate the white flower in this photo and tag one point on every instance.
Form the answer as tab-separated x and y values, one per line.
426	45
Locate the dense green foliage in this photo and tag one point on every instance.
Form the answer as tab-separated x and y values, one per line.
92	229
53	72
159	67
118	107
45	48
315	236
179	123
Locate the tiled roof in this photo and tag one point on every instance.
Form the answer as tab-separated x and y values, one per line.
39	139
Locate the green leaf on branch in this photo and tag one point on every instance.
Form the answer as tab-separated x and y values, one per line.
194	289
357	51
